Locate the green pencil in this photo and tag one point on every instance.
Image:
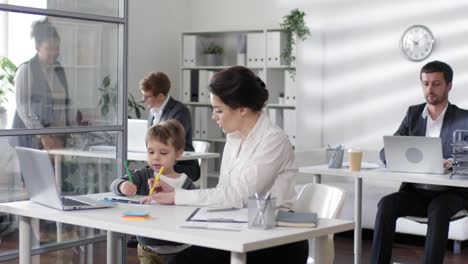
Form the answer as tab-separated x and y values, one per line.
129	173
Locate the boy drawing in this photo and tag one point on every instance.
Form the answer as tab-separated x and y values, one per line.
165	143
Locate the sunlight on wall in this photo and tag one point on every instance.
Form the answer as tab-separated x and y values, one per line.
368	83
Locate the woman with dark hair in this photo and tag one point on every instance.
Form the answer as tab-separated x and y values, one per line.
257	158
41	89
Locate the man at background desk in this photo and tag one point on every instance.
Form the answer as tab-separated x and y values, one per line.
435	118
155	94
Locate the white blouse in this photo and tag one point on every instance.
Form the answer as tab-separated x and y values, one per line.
264	163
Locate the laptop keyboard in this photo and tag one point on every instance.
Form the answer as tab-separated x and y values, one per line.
70	202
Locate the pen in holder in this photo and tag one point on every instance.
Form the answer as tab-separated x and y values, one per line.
335	156
261	212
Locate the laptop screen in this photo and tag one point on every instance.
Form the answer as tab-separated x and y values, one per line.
414	154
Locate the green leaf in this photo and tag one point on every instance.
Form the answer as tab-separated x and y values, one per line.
295	26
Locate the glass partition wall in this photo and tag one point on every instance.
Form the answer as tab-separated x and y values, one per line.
62	90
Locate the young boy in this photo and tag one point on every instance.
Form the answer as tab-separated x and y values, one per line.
165	143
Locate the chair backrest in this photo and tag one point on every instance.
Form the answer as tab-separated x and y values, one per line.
322	199
201	146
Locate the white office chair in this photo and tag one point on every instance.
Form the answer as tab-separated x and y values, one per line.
201	146
326	201
460	214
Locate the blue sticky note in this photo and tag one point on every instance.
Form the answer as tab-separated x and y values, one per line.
134	213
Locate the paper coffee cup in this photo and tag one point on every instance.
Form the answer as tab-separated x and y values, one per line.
354	159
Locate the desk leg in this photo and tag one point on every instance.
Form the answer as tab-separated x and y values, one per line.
238	258
317	178
24	240
111	247
204	173
90	247
58	181
100	176
358	219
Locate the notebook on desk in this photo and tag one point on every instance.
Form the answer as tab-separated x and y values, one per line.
414	154
136	136
38	175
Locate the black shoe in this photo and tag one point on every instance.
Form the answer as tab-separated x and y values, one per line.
132	242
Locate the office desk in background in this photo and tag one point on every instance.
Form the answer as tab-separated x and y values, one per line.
164	224
376	174
139	156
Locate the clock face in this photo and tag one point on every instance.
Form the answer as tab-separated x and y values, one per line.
417	42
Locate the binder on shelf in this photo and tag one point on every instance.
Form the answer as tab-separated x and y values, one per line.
204	79
189	51
186	86
203	76
289	89
255	49
210	76
276	42
197	122
209	128
289	117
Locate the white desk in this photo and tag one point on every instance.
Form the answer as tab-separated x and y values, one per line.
377	174
140	156
164	224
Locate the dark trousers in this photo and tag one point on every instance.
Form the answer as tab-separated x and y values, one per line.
189	167
294	253
437	206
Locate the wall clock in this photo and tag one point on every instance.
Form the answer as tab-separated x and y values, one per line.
417	42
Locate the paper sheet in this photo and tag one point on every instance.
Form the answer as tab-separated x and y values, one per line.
230	215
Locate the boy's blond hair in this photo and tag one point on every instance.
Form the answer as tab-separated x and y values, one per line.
168	131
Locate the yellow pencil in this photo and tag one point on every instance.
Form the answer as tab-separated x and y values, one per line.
157	179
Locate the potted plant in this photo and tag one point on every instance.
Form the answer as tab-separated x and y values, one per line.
134	106
108	100
296	29
213	54
108	96
7	76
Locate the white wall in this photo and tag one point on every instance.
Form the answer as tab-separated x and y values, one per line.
368	84
155	28
354	83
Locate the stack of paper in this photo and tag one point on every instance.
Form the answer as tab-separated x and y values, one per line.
132	215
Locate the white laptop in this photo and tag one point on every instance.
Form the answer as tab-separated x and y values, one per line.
36	168
414	154
136	135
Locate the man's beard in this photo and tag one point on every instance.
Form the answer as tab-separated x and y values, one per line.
436	100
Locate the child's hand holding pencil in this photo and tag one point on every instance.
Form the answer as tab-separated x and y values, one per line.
128	187
153	183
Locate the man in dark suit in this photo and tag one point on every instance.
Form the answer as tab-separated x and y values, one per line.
435	118
155	91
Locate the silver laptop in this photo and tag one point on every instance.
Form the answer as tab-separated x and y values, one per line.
38	174
414	154
136	135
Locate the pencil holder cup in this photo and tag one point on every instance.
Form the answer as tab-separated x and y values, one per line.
335	158
261	212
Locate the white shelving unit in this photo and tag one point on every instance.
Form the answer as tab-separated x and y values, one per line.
259	50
